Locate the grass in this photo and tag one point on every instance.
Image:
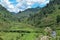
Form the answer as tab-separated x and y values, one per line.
22	36
58	32
29	36
9	36
18	36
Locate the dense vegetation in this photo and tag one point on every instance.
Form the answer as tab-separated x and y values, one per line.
34	20
49	16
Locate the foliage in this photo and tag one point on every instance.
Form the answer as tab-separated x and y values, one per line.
30	20
47	16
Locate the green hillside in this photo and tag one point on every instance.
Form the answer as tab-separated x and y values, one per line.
47	16
12	29
22	16
31	23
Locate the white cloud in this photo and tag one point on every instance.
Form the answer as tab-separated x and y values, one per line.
22	4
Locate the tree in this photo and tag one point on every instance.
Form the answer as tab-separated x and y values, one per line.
58	18
1	38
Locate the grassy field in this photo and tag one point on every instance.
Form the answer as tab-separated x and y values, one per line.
17	36
23	36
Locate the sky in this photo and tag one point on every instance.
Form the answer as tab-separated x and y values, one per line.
21	5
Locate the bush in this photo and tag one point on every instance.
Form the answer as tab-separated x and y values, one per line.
1	38
58	18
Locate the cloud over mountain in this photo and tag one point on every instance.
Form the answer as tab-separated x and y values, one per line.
21	5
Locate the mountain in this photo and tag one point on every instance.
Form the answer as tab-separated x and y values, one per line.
6	18
32	22
25	14
38	17
48	16
5	14
10	21
28	11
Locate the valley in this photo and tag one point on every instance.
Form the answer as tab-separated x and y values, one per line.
31	24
